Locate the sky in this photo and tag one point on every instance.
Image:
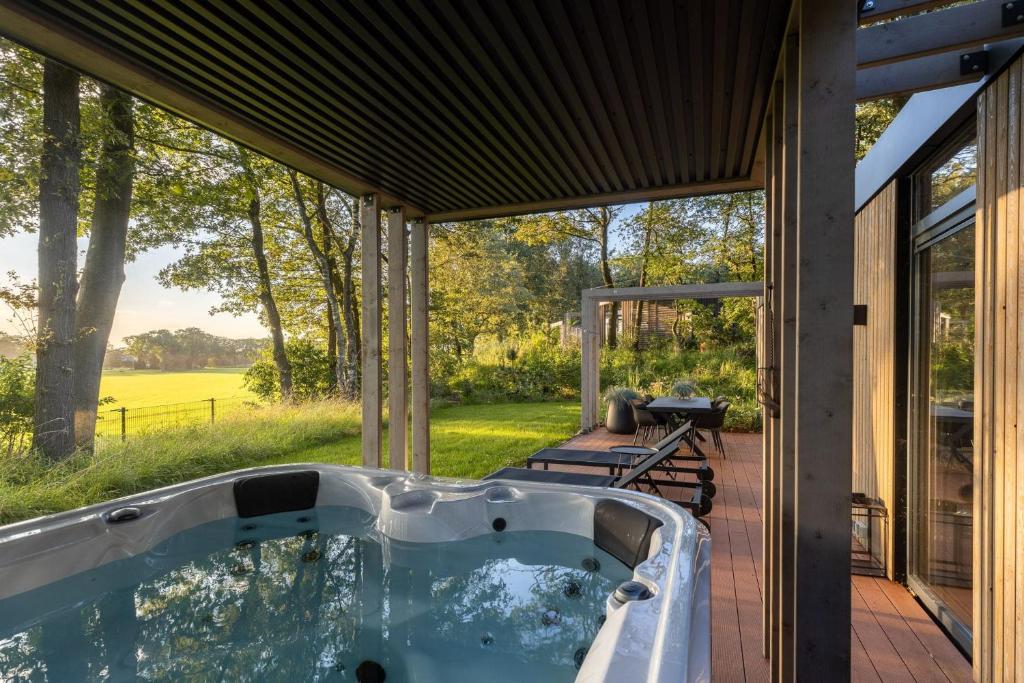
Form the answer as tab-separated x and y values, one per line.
144	304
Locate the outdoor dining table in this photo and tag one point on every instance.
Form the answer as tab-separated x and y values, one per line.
683	409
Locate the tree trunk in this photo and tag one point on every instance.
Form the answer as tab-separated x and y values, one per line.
266	295
323	266
349	306
103	274
611	336
54	433
639	318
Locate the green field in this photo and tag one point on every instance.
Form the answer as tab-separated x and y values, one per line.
466	441
139	388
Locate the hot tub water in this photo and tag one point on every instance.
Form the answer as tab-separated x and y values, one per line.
318	596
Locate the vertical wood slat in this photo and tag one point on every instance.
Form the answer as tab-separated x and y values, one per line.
369	216
419	302
398	413
773	507
823	435
782	664
999	340
767	360
874	368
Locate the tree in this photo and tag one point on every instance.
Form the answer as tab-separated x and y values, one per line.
54	432
872	119
103	274
265	293
590	226
324	267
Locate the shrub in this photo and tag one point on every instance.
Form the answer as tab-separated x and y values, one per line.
311	372
17	402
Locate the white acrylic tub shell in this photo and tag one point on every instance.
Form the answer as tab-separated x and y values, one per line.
664	638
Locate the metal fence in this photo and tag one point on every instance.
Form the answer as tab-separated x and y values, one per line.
124	422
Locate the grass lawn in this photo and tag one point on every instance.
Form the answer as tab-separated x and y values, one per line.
470	441
138	388
466	441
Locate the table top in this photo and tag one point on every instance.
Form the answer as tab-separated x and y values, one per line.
671	404
950	413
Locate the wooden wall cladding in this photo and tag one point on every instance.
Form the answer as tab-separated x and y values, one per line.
998	378
875	280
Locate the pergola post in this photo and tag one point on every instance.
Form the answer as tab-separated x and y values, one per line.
824	341
397	365
369	217
590	366
419	300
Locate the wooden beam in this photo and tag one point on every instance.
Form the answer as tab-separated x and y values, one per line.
824	322
878	10
369	217
712	290
916	75
398	413
603	199
946	30
419	301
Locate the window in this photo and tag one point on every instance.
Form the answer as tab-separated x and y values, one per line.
952	171
941	476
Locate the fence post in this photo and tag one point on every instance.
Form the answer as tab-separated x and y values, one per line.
124	422
212	401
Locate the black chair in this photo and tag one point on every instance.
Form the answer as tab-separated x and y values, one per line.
712	423
647	423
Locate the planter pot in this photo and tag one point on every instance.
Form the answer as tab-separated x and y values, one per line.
619	419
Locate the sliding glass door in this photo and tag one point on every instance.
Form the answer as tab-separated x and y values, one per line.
942	465
941	474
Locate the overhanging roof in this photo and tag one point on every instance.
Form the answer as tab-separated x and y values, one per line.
454	108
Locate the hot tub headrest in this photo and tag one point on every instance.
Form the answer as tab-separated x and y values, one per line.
265	494
623	531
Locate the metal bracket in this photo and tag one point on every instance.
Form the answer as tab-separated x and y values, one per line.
1013	13
975	63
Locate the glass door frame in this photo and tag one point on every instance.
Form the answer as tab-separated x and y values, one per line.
956	215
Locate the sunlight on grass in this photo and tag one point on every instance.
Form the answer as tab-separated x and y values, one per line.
466	442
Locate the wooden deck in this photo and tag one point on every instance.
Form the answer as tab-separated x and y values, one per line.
893	638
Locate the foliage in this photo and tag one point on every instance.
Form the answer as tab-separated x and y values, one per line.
684	389
872	120
620	396
189	349
311	372
17	402
466	442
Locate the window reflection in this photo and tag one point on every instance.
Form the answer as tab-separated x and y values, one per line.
945	469
953	172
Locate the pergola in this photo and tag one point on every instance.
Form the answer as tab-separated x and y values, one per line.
590	342
455	109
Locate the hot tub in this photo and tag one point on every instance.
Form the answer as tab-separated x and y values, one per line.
334	573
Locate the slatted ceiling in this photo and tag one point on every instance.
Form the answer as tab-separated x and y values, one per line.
452	105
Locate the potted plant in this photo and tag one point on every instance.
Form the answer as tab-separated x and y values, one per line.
619	419
684	389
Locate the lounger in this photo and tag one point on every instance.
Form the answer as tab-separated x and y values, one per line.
699	503
617	461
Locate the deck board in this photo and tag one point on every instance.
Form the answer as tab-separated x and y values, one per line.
893	639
